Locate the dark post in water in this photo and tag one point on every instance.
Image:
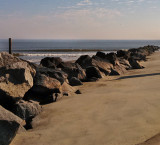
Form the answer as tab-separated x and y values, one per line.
10	46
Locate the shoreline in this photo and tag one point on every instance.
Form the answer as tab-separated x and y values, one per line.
103	94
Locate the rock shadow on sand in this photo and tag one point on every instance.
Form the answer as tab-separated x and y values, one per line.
138	76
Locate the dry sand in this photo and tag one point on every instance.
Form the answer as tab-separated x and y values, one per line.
124	111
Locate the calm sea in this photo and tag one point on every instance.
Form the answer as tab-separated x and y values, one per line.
35	50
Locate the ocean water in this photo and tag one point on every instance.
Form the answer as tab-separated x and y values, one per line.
35	50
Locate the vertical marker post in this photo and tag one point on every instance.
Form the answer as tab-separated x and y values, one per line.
10	46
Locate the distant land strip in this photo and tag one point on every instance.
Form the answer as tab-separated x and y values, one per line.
61	50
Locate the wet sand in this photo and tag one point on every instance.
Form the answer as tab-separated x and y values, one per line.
123	110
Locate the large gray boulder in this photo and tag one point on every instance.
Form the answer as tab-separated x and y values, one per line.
16	78
27	109
123	54
7	59
43	89
72	70
9	125
135	64
51	62
124	63
102	64
53	73
45	85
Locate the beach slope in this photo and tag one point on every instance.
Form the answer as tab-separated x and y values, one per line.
120	110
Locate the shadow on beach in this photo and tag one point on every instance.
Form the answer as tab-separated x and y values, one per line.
138	76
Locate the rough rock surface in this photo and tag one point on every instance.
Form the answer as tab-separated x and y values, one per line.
93	72
75	82
53	73
15	80
51	62
27	109
102	64
9	125
135	64
125	54
44	85
73	70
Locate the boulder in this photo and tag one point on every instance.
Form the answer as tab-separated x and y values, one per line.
101	55
67	89
124	63
84	61
15	80
51	62
117	70
78	92
9	125
93	72
135	64
45	85
27	109
141	53
75	82
72	70
7	59
112	58
138	54
114	72
102	64
124	54
43	89
52	73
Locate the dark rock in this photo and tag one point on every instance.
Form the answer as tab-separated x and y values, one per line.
72	70
135	64
123	53
51	62
114	72
101	54
45	85
65	94
124	63
9	125
7	59
27	109
93	72
112	58
141	53
43	89
78	92
53	73
75	82
84	61
46	96
102	64
15	80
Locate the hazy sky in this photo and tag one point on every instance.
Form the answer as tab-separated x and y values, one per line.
80	19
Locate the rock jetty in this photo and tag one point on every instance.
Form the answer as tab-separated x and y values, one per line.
25	87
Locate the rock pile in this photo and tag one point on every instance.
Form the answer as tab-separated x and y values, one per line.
24	86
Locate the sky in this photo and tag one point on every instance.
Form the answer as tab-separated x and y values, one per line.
80	19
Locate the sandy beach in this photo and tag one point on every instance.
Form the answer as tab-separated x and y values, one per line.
121	110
